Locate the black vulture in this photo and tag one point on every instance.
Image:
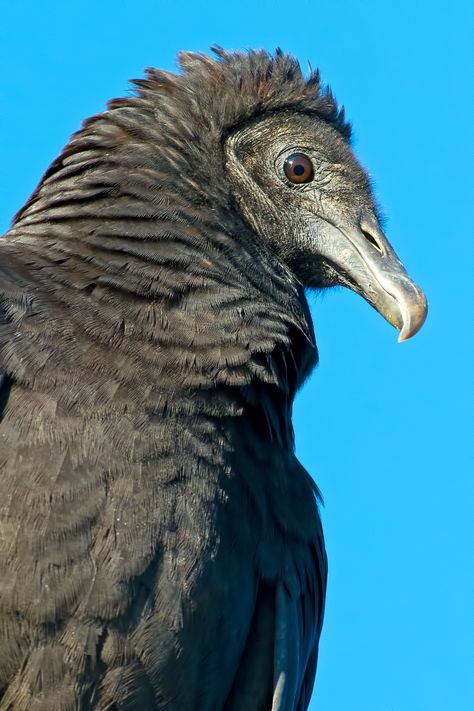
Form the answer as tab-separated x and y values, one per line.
160	544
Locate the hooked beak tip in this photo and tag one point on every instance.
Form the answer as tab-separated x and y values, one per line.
413	315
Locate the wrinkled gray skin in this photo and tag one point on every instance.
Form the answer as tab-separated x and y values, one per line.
160	544
327	230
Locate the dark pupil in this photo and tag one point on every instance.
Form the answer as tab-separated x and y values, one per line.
298	169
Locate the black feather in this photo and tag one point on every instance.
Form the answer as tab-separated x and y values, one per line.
151	347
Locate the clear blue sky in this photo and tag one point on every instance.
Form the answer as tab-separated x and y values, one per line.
384	428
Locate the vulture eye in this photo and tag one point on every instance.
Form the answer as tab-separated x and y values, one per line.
299	168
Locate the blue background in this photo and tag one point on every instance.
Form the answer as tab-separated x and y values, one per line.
383	427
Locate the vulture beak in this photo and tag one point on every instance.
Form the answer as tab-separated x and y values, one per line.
367	264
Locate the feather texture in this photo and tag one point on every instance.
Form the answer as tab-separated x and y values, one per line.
160	544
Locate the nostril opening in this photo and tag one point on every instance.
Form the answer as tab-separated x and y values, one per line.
370	238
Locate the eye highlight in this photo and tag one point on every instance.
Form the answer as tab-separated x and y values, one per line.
299	168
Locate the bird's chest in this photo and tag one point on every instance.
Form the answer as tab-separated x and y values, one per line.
269	503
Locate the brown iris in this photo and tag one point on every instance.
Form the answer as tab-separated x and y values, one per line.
299	168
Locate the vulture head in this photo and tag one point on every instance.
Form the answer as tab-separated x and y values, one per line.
303	191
